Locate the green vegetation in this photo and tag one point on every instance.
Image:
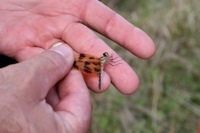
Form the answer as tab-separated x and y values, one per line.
168	100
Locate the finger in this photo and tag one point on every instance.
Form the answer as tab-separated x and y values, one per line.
112	25
44	70
83	40
75	105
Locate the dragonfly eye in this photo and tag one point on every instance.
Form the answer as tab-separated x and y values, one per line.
105	54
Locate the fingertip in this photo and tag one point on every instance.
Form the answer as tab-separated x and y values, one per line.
150	48
124	78
93	82
131	87
145	47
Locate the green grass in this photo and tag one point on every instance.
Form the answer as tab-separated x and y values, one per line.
168	100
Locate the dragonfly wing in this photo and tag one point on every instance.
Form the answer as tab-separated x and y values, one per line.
85	57
86	67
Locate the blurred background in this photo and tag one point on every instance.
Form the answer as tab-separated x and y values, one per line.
168	99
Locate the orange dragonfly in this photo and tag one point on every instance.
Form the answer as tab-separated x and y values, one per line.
93	65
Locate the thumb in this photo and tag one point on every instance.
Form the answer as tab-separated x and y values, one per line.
36	76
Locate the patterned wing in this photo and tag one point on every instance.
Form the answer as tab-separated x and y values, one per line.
87	64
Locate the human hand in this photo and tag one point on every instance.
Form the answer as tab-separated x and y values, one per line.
27	106
29	27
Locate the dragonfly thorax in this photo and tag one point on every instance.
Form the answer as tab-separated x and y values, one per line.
104	58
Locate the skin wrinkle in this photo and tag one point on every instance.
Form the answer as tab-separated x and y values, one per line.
83	13
68	113
84	16
67	124
89	44
65	127
66	29
13	4
73	117
110	24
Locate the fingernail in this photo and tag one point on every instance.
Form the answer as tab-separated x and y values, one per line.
62	49
56	44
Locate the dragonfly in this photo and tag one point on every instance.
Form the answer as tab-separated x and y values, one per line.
92	65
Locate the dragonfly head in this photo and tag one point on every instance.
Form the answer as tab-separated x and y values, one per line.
105	54
104	58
